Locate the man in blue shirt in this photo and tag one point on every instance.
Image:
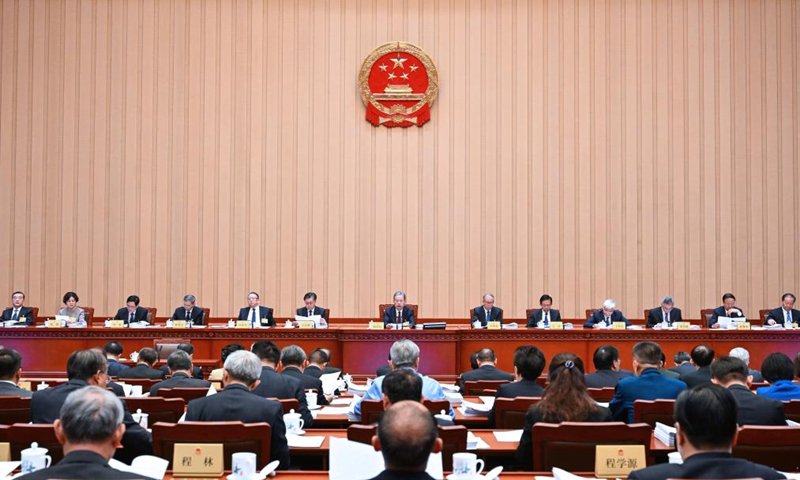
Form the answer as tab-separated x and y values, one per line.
648	384
778	370
405	354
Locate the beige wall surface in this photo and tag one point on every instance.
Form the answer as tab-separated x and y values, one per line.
587	149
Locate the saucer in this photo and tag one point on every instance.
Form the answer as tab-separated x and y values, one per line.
299	432
315	407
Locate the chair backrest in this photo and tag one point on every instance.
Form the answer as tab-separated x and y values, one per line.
776	447
164	347
652	411
206	315
762	314
385	306
601	394
792	410
361	433
589	313
454	440
705	316
36	312
187	394
571	445
235	437
151	313
21	435
510	412
436	406
371	411
146	383
476	387
646	315
15	410
326	314
158	409
528	312
89	315
287	404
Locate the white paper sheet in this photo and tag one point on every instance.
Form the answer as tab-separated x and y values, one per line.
334	410
147	465
559	474
487	400
330	382
302	441
450	387
7	467
340	401
357	461
510	436
475	442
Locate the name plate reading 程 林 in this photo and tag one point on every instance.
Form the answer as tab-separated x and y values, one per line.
376	325
116	324
179	324
52	323
618	326
556	325
493	326
682	325
742	325
197	460
310	324
617	461
243	324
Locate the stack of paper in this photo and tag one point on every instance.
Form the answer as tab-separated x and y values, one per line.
474	442
299	441
487	400
473	409
334	410
357	389
665	434
509	436
450	387
510	326
454	398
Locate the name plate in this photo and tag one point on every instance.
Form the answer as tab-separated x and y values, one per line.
24	386
556	325
682	325
617	461
742	325
179	324
202	460
618	326
52	323
376	325
5	452
310	324
117	324
789	326
242	324
493	326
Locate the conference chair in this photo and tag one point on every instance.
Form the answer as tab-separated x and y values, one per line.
206	315
151	314
436	406
234	436
15	410
145	383
361	433
590	312
705	316
287	404
509	413
652	411
88	315
385	306
158	409
776	447
454	440
792	410
164	347
601	394
371	411
477	387
571	445
762	315
19	436
187	394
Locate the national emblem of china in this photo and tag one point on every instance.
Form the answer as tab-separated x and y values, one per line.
398	83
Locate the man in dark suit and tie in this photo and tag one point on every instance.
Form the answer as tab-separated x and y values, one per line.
606	362
180	364
257	315
732	373
317	363
144	369
310	309
89	367
235	402
705	420
542	317
399	313
728	309
784	314
293	360
702	357
19	313
487	369
606	316
275	385
487	312
132	312
10	368
189	311
665	315
113	350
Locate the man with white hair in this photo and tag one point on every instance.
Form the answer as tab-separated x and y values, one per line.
743	355
664	315
399	313
487	312
241	374
405	354
606	316
90	428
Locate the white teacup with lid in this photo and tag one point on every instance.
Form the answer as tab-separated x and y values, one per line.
35	458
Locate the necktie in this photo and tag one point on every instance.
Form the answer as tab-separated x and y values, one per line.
399	317
253	317
130	320
488	315
16	315
666	317
546	318
188	315
788	316
608	321
310	313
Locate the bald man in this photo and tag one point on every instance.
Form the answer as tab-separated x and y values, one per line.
406	437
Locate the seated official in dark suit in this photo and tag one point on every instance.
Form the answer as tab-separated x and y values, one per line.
310	309
90	428
329	368
189	311
144	369
606	316
487	312
18	313
648	384
257	315
112	351
274	385
702	357
487	369
665	315
784	314
565	400
180	365
543	316
728	309
778	370
663	370
132	313
197	372
606	362
705	420
743	355
529	363
731	373
404	384
10	368
317	362
400	313
407	435
84	368
236	403
293	360
683	363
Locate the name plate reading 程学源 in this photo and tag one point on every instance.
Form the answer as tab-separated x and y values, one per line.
197	460
243	324
493	326
310	324
617	461
179	324
618	326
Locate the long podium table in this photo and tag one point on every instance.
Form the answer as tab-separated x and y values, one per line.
358	350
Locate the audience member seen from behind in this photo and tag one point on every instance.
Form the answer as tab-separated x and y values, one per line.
10	370
76	316
607	362
683	363
565	400
529	363
731	373
705	420
487	369
743	355
180	365
777	369
216	374
112	351
702	356
90	427
144	368
406	437
403	384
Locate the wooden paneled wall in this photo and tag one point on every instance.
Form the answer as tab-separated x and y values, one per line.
583	148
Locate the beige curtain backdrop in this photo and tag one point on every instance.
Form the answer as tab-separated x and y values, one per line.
585	149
